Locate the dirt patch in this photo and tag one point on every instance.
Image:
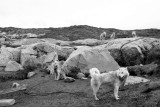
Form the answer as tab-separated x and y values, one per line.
44	91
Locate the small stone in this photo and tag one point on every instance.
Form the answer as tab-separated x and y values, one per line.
31	74
69	80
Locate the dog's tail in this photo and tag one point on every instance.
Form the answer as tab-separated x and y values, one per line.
94	71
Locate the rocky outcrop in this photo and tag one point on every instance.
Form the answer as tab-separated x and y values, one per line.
9	54
144	70
27	52
153	56
50	57
150	86
2	40
135	80
66	50
88	42
85	58
13	66
45	48
131	51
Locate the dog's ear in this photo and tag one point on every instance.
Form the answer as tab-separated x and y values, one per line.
127	71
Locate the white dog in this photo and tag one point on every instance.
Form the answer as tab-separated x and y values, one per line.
117	78
55	68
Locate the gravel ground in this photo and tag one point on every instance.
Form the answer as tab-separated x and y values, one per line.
44	91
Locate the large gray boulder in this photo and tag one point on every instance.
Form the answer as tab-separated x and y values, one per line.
131	51
42	53
135	80
150	86
27	52
9	54
153	55
144	70
50	57
45	48
13	66
83	59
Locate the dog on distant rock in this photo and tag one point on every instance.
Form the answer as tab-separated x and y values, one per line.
117	78
102	36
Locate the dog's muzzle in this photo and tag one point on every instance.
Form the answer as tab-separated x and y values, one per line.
122	78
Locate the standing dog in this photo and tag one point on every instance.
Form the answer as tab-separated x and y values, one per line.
55	68
117	78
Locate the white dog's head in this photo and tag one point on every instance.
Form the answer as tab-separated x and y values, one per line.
50	67
122	73
94	71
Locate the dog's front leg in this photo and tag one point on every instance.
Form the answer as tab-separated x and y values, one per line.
95	89
95	95
63	74
52	70
58	75
116	88
123	84
55	76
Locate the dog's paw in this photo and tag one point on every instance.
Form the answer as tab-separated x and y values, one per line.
117	97
96	99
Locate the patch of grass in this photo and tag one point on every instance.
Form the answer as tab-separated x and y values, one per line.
31	64
13	75
80	32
